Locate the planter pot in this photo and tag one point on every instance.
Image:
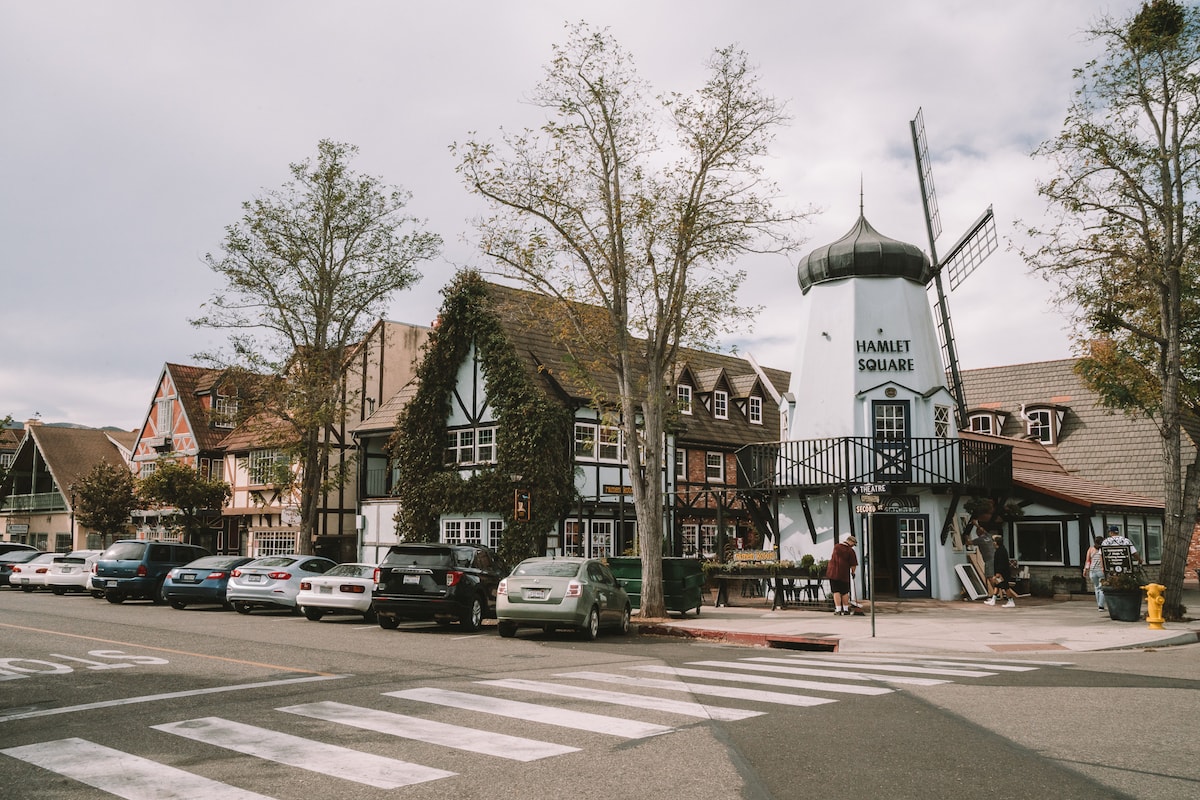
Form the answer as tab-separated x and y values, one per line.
1123	606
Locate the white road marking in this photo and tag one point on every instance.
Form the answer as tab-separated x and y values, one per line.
783	683
122	774
787	668
883	667
579	720
472	740
732	692
626	699
296	751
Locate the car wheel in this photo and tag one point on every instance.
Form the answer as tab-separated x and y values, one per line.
507	629
96	593
178	605
473	618
623	628
114	597
241	606
27	588
591	626
312	614
388	623
369	615
59	590
159	596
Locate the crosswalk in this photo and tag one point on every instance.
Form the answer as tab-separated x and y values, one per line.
746	688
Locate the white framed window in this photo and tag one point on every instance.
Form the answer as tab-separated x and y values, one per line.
683	393
585	440
472	531
1039	424
147	469
6	460
981	423
166	416
708	540
913	540
690	538
471	446
262	465
225	409
680	464
941	421
600	544
714	467
754	410
721	404
274	543
609	448
485	446
452	531
891	420
495	533
573	538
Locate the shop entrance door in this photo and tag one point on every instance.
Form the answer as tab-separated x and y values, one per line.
913	556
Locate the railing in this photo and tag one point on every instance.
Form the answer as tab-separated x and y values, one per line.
41	502
840	461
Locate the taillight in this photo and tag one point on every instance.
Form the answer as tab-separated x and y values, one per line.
375	577
237	573
305	585
453	577
16	569
503	587
279	576
173	574
353	588
94	567
141	570
42	570
215	576
574	589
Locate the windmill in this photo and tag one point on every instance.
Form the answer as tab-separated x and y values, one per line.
966	254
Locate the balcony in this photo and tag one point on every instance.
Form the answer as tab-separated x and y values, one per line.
817	464
43	502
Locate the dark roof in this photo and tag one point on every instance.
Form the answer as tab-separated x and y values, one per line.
1094	443
70	454
384	418
863	253
191	382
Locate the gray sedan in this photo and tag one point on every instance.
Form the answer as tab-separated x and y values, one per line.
272	581
550	593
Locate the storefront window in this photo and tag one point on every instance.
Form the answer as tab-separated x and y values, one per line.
1040	542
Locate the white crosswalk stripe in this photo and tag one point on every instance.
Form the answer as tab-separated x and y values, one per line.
972	663
458	737
580	720
703	689
785	667
296	751
123	774
915	669
790	683
626	699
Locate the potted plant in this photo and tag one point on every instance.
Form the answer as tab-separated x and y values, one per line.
1123	595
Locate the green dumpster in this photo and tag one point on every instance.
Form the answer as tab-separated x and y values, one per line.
683	581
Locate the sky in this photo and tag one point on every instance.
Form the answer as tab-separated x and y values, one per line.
134	130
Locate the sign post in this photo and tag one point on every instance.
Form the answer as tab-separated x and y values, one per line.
869	499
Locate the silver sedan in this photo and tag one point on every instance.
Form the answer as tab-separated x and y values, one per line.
550	593
272	581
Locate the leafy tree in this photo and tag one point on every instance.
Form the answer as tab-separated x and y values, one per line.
1123	243
4	423
104	499
308	269
179	486
603	208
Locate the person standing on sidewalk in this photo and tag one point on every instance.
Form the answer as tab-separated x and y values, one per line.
842	566
987	553
1093	568
1003	579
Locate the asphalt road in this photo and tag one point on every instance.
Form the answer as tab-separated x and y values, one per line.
149	702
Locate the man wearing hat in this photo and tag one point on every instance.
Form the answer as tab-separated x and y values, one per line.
1115	537
842	566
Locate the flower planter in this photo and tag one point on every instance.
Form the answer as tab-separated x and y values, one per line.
1123	605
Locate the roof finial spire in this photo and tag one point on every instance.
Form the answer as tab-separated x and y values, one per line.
861	213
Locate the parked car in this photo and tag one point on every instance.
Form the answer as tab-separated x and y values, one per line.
8	547
72	572
345	589
136	568
31	574
550	593
442	582
203	581
11	559
272	581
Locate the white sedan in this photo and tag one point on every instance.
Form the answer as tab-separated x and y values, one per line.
72	572
32	574
345	589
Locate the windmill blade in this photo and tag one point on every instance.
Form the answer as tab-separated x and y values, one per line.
969	252
933	220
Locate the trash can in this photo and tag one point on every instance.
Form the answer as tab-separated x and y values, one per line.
683	582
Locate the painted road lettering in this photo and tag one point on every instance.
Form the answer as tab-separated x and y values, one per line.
14	668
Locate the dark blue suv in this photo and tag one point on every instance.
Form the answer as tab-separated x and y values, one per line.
135	568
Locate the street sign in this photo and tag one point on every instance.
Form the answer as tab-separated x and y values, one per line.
871	488
869	498
865	508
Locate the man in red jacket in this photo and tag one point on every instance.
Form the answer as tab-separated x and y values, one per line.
842	566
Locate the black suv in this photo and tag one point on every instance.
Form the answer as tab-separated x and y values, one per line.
443	582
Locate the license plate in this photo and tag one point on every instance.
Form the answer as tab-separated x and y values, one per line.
254	579
536	594
67	570
412	578
188	577
325	589
24	580
110	583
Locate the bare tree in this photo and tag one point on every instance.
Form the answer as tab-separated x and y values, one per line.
637	205
1122	245
308	269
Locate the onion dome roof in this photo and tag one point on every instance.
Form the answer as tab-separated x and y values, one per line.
863	252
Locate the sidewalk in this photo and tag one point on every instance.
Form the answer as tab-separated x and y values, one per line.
1036	625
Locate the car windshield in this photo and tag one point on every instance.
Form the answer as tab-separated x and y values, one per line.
215	562
125	551
273	561
549	569
352	571
20	556
421	557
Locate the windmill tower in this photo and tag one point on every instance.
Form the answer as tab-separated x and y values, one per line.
967	253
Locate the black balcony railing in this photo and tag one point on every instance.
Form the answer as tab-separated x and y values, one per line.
841	461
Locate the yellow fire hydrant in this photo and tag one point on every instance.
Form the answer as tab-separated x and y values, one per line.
1154	605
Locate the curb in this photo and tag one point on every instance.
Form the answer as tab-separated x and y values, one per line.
820	644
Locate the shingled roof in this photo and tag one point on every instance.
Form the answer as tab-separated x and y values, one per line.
1094	443
191	382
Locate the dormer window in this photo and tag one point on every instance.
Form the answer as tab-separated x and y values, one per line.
225	410
984	422
721	404
754	410
1042	423
683	393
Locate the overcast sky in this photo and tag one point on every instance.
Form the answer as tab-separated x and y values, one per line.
133	130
